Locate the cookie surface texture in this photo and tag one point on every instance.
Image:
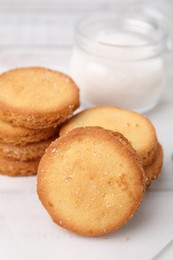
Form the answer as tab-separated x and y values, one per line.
135	127
37	97
14	168
90	181
14	135
153	170
33	151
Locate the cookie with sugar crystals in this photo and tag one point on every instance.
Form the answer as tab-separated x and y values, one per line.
33	151
135	127
21	136
14	168
37	97
153	170
90	181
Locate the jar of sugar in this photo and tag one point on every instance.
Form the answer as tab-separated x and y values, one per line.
119	60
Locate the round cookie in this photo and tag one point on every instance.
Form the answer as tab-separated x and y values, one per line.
37	97
21	136
135	127
33	151
18	168
90	181
152	170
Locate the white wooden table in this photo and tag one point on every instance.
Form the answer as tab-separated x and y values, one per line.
42	35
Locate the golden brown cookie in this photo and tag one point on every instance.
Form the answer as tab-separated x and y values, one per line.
37	97
18	168
135	127
153	170
33	151
90	181
21	136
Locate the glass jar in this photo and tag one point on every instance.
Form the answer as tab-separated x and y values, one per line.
118	59
162	10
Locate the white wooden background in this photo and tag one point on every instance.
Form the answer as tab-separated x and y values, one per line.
40	32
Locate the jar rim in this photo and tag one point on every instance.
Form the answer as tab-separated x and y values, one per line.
139	19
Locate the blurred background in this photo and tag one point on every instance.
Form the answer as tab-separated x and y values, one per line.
40	32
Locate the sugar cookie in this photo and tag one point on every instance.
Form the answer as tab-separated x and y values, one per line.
21	136
18	168
33	151
153	170
135	127
37	97
90	181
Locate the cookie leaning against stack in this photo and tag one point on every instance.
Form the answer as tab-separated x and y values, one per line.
33	102
135	127
90	181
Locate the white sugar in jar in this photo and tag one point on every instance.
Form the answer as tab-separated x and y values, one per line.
119	60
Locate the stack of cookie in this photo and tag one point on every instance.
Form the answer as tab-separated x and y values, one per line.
92	179
33	103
